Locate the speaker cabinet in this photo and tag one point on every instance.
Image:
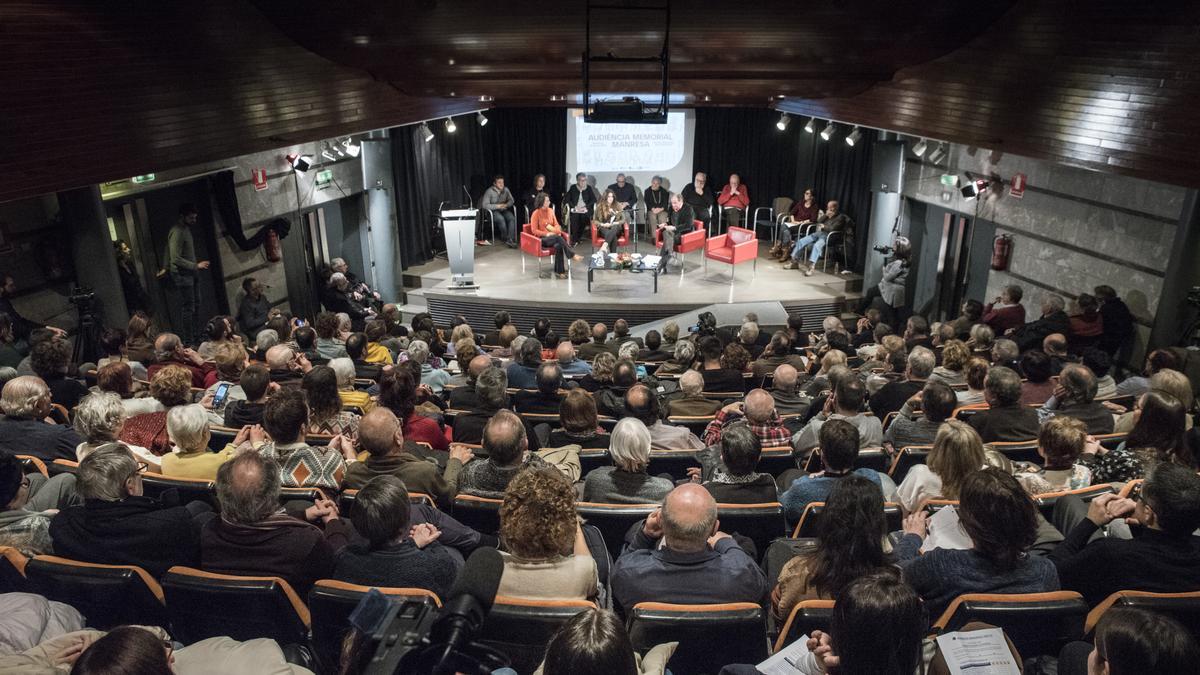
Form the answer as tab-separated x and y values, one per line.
887	166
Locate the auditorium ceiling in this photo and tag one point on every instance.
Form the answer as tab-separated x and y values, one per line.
98	91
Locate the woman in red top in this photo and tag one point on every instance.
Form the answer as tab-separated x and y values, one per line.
802	213
1087	326
171	386
544	225
398	393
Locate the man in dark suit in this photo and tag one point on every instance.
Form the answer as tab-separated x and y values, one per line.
501	319
465	397
1117	320
1053	320
1075	397
653	351
597	346
546	399
892	395
1005	420
356	345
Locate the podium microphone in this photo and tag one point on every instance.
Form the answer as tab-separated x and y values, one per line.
470	200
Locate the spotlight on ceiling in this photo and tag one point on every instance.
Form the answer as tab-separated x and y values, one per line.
827	132
328	152
451	127
783	122
351	147
853	136
300	162
938	154
919	148
811	125
481	118
426	132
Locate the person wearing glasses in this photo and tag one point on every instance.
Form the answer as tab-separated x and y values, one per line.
118	525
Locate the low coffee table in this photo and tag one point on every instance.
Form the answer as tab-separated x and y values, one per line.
611	265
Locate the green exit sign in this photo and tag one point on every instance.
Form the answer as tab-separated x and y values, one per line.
324	179
949	180
144	178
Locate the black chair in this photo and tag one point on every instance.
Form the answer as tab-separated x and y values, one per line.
694	424
1037	623
478	513
710	636
1045	502
776	460
807	527
330	604
1183	607
107	595
613	520
872	458
592	458
674	463
219	437
12	570
62	466
346	499
521	628
204	604
156	485
30	464
906	459
1018	451
762	523
1111	441
805	617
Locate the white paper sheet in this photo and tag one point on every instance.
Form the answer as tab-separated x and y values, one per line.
977	652
784	661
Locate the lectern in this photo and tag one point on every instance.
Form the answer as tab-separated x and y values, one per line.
459	227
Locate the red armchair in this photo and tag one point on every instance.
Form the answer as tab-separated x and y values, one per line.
684	242
735	246
598	241
531	244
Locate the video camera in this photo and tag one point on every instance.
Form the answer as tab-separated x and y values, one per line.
81	295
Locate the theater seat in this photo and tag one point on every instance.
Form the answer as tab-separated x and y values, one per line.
1037	623
107	595
154	485
809	519
331	602
1046	502
876	459
29	464
346	500
1183	607
805	617
906	459
205	604
762	523
738	245
672	462
709	636
776	460
1018	451
521	628
478	513
613	520
12	570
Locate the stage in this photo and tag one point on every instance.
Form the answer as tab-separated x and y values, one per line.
528	296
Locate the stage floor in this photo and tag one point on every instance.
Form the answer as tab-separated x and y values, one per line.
503	284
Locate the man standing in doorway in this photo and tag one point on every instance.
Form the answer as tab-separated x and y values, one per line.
185	269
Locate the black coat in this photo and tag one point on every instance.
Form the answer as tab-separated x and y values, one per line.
134	531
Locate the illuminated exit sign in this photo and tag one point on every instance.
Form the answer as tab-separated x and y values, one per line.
144	178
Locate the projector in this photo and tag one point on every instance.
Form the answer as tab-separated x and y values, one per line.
629	110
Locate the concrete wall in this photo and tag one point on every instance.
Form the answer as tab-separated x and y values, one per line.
1072	230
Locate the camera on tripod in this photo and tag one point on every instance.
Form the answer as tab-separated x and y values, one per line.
82	296
885	250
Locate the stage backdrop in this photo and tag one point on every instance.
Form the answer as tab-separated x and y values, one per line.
518	143
640	151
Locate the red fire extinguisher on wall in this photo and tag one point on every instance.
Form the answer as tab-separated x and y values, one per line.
273	248
1001	252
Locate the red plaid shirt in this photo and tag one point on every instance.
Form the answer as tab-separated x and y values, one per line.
772	433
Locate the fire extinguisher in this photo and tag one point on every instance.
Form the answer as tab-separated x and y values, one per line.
1001	252
272	247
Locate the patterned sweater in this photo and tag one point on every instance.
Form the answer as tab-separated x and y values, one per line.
303	465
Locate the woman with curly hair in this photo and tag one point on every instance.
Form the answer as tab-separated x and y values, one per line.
170	386
602	373
325	414
545	555
736	357
955	356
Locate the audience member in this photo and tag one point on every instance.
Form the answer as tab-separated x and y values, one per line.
500	319
892	395
938	403
27	503
578	423
187	426
916	334
785	391
382	435
268	338
981	341
641	403
325	413
491	387
1053	319
1101	366
1075	397
375	352
1158	435
956	453
328	345
594	642
170	386
1001	522
1167	381
99	419
1006	353
601	375
287	367
356	349
692	403
546	399
506	444
955	355
1005	419
138	345
117	378
589	350
1061	441
976	372
732	478
25	402
653	351
169	350
1005	313
350	396
465	397
715	367
116	525
1037	387
1131	640
285	420
839	445
626	481
678	555
50	360
1159	359
845	404
255	383
1117	320
1055	347
777	352
231	360
397	553
571	366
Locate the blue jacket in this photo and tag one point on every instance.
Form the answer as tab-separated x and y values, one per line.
807	489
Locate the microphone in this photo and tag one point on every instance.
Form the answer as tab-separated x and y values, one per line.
471	599
470	200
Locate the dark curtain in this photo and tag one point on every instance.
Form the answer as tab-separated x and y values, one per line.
517	143
225	195
746	141
839	172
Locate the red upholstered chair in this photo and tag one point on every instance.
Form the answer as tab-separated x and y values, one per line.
598	241
531	244
735	246
685	242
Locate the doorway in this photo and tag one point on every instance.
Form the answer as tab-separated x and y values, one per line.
951	259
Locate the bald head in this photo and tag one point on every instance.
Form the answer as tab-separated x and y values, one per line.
689	518
379	433
478	365
165	345
565	352
280	357
1055	344
692	383
785	378
759	406
599	331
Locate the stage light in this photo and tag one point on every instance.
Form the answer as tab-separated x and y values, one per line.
328	153
811	125
853	136
451	127
919	148
481	119
827	132
426	132
783	122
351	147
300	162
938	154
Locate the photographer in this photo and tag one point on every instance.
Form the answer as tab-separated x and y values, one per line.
891	288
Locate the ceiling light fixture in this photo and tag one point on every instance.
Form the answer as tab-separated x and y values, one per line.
919	148
854	136
300	162
328	153
782	124
351	147
426	132
481	118
827	132
811	125
451	127
938	154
